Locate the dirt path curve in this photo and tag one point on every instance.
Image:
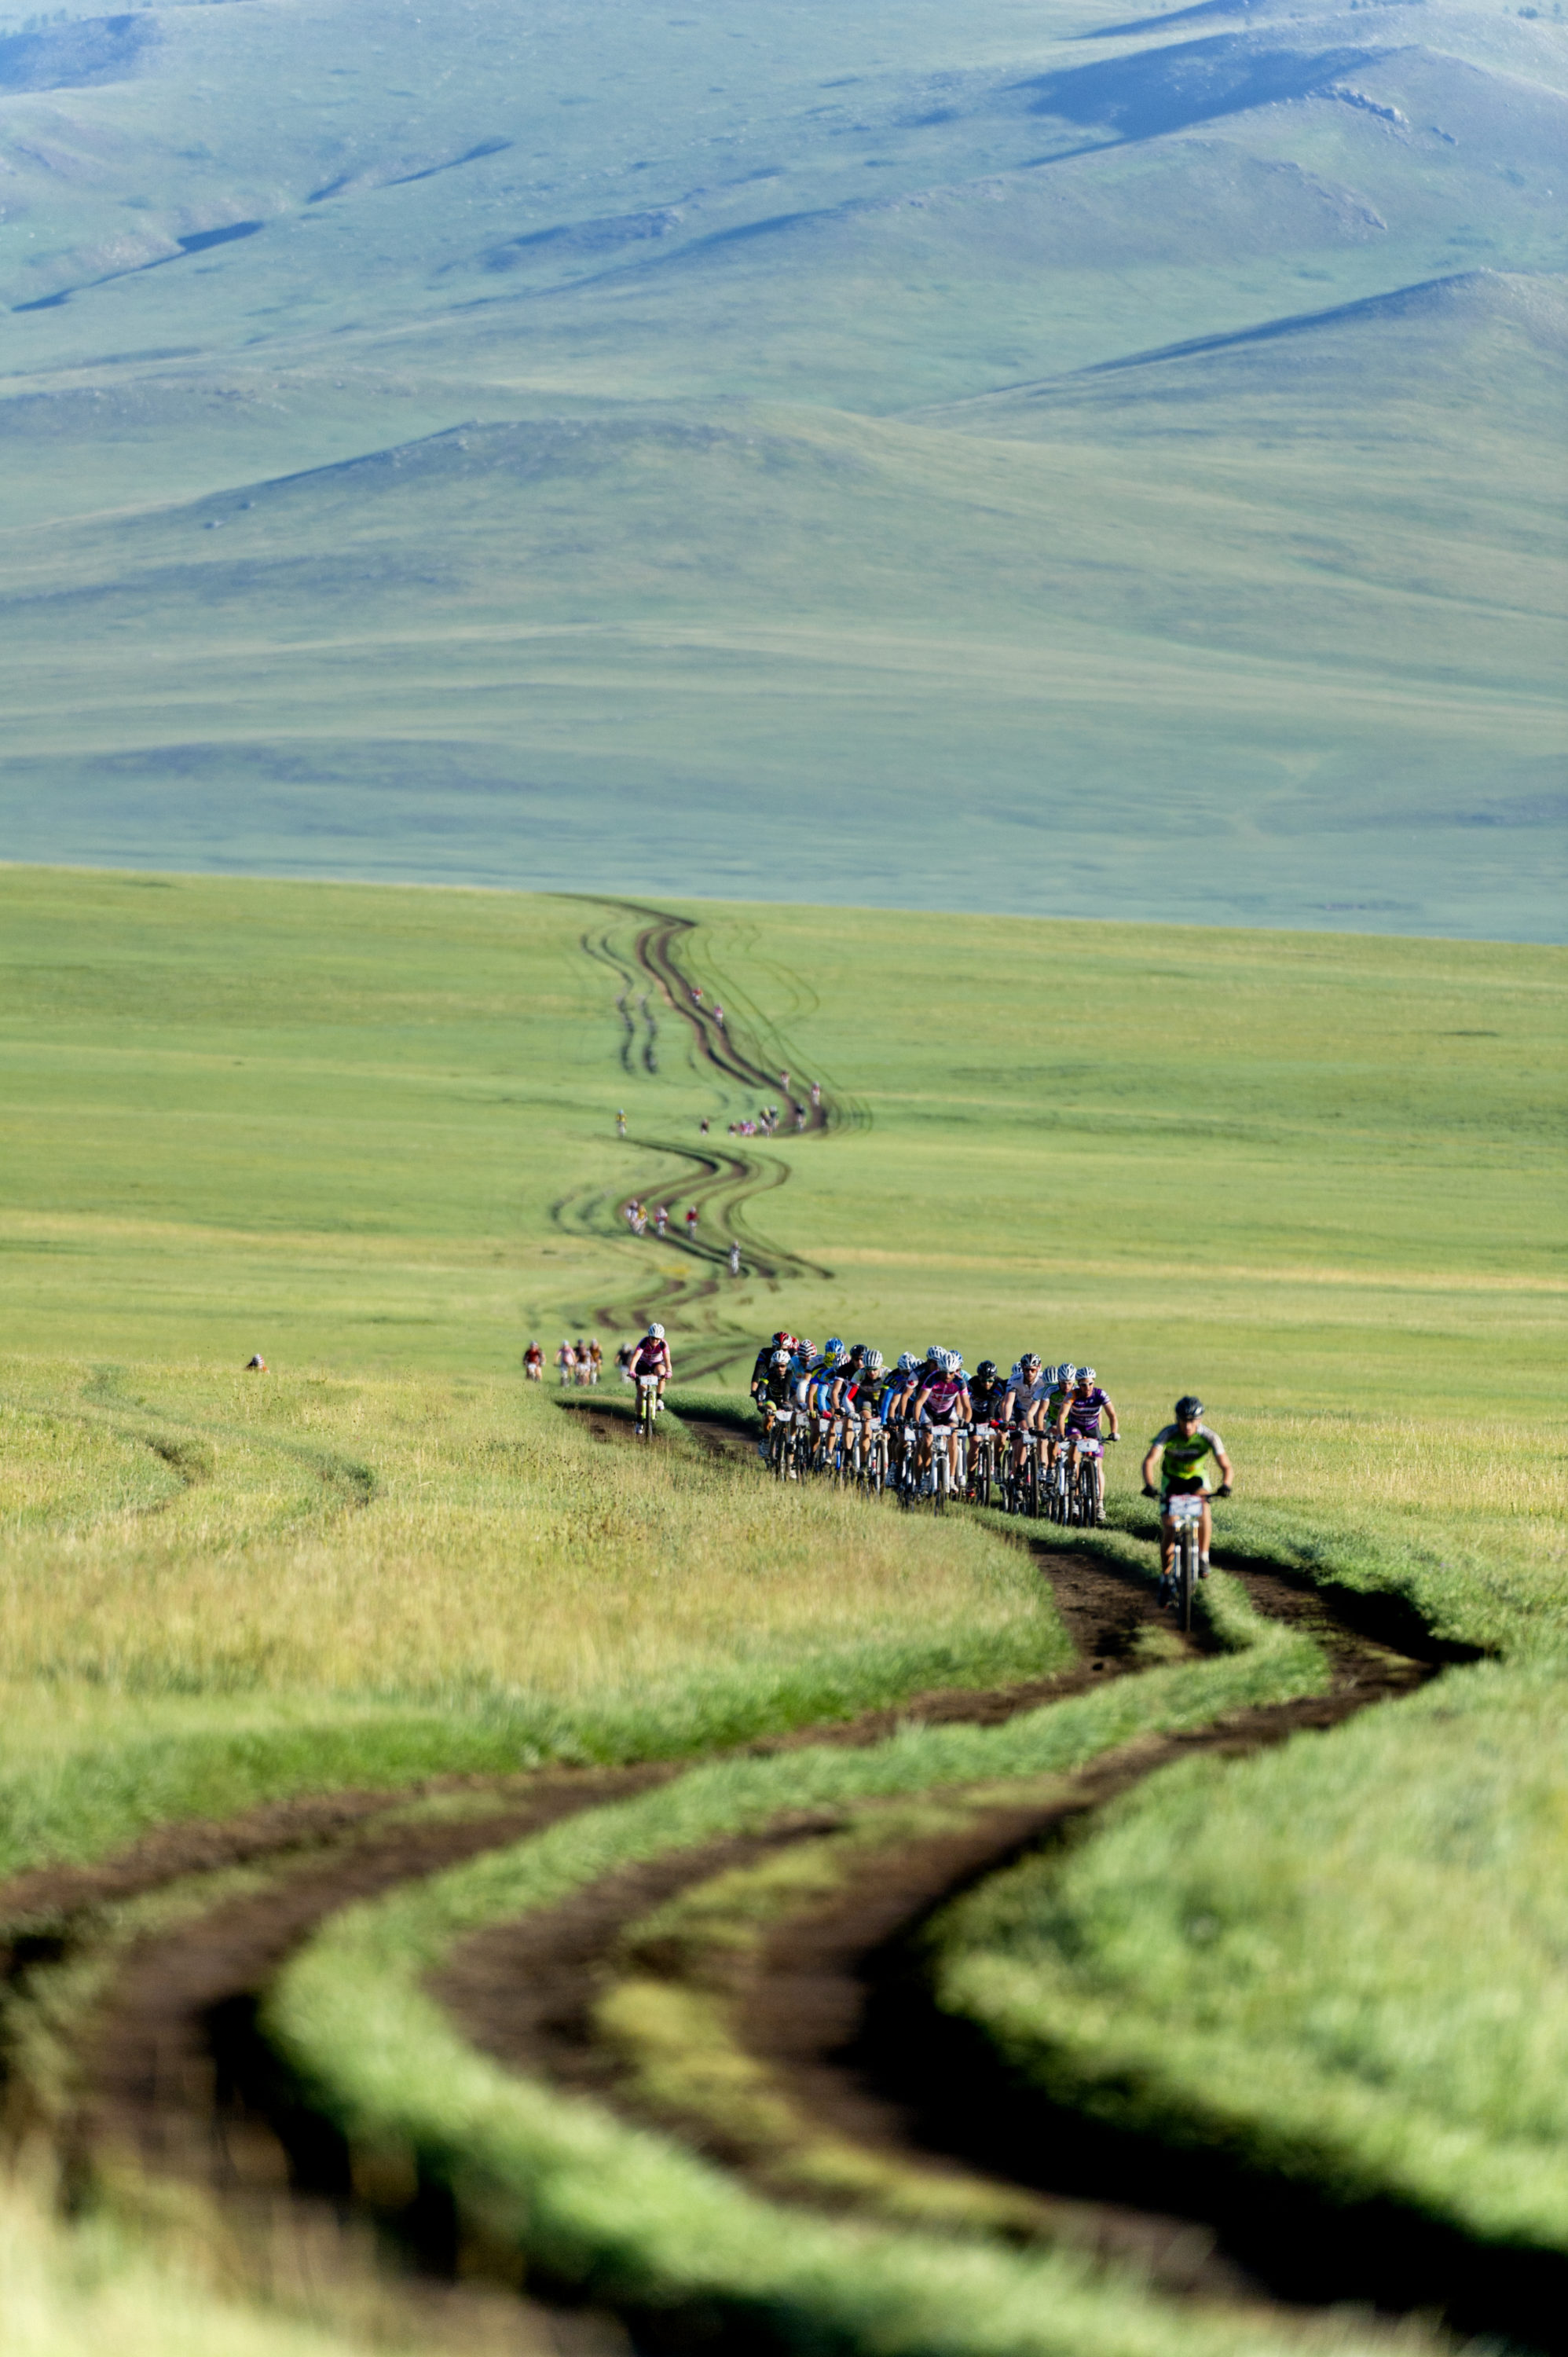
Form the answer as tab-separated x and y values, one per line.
689	1278
170	2073
173	2073
831	2007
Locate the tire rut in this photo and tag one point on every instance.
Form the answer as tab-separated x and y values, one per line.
724	1181
175	2073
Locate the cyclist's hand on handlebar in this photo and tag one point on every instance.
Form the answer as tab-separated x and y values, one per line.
1110	1436
1223	1490
1149	1492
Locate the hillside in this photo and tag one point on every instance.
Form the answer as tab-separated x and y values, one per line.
1037	463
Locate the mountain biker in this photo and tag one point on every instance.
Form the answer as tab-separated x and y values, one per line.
942	1404
534	1363
1077	1425
987	1393
1022	1402
1179	1449
566	1360
652	1357
863	1400
783	1341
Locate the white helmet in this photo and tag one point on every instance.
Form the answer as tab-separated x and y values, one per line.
907	1362
952	1362
1086	1375
872	1360
1067	1372
656	1333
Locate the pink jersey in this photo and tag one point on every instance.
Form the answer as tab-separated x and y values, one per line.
652	1359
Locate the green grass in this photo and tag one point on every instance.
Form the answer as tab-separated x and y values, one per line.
372	1133
366	1583
637	2217
1342	1962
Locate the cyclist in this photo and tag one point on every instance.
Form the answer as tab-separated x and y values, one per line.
596	1357
1179	1450
652	1357
534	1363
987	1393
567	1361
942	1404
1077	1427
783	1341
1022	1403
774	1390
864	1396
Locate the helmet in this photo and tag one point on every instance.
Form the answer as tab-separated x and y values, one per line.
833	1348
1187	1406
872	1362
952	1362
785	1339
986	1371
907	1362
933	1357
1086	1375
856	1354
780	1358
656	1333
1067	1372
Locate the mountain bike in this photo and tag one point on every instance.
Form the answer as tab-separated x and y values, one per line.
1185	1515
647	1406
867	1456
982	1464
782	1442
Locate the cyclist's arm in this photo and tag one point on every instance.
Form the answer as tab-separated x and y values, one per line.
1109	1410
1224	1464
1151	1462
920	1399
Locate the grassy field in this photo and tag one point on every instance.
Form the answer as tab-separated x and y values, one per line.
1028	461
372	1133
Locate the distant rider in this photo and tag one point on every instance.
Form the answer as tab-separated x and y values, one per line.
652	1357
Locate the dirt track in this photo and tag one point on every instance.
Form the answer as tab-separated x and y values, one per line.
175	2074
687	1279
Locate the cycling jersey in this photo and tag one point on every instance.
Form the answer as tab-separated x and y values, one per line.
1183	1458
944	1398
652	1359
1020	1398
778	1384
1083	1414
866	1395
989	1401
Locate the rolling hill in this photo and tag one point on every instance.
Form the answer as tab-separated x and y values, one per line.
1031	463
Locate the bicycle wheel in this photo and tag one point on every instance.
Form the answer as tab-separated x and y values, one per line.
1187	1576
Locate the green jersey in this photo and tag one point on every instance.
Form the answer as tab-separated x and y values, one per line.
1184	1457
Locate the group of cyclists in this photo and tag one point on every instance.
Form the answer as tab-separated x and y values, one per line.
1031	1441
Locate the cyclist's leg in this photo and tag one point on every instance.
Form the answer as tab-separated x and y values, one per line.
1205	1533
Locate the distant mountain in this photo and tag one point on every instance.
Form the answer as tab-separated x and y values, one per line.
884	453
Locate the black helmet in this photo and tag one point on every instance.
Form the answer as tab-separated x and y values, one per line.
1188	1407
986	1372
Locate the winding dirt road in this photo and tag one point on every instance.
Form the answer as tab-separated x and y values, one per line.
170	2069
683	1281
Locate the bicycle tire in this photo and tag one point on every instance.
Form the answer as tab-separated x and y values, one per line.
1187	1579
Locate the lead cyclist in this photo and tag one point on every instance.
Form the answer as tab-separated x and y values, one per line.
1179	1450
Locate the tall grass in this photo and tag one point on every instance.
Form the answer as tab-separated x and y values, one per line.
427	1572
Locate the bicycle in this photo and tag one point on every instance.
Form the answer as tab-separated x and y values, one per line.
1185	1514
782	1442
647	1406
982	1464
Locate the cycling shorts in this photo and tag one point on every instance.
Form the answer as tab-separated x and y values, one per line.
1184	1485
